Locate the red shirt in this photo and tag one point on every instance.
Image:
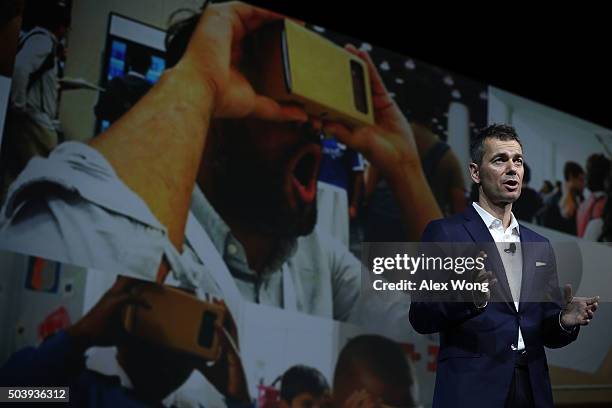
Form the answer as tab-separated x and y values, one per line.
590	209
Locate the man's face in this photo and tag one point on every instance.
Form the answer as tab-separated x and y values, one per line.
266	175
500	174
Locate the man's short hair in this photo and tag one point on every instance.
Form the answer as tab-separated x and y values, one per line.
571	169
597	169
494	131
301	379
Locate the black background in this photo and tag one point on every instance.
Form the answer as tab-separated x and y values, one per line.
561	56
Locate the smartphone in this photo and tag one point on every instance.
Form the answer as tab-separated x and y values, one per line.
177	319
294	64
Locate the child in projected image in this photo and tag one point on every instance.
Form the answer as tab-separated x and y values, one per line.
304	387
373	371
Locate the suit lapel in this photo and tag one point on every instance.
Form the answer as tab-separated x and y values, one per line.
479	232
529	257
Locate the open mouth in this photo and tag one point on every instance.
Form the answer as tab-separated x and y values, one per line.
511	185
303	169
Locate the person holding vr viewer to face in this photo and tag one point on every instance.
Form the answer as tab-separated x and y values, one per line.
203	142
122	202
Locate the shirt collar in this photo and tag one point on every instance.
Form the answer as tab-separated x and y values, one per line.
493	222
221	236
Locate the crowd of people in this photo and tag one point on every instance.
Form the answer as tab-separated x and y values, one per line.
577	206
32	127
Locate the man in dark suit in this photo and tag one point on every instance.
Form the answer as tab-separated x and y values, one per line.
492	344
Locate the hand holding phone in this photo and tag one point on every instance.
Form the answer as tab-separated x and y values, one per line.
175	319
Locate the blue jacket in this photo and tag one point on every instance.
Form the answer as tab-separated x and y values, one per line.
476	360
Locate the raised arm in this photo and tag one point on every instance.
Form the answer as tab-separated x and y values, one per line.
156	148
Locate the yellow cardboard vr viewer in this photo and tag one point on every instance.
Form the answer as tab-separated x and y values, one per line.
176	320
298	65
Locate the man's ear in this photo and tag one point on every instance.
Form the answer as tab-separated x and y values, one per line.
475	173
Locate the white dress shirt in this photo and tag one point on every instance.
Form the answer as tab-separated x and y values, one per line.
512	260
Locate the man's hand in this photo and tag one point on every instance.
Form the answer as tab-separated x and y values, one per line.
578	311
390	148
102	325
481	299
213	55
389	145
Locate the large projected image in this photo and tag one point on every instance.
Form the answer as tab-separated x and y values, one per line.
231	187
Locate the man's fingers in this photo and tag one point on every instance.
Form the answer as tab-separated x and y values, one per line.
123	284
228	338
378	86
338	130
252	17
359	398
136	300
360	139
567	293
268	109
131	299
592	300
344	135
353	400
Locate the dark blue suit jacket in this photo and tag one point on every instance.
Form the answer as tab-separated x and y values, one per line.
476	361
